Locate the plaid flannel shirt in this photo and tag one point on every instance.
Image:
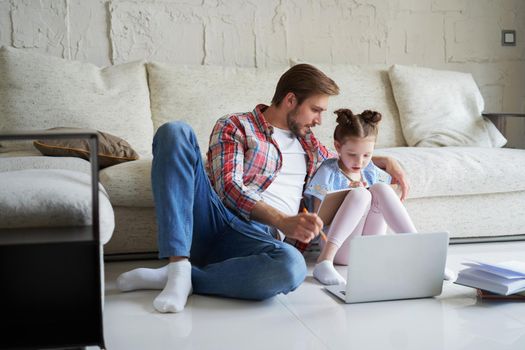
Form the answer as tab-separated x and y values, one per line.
243	160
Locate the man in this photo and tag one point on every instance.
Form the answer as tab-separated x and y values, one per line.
227	221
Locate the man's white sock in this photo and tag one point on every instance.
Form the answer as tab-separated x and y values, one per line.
143	278
326	273
450	275
174	296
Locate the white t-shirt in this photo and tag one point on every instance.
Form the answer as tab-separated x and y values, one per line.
286	190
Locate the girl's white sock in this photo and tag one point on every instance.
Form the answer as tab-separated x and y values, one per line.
174	296
143	278
326	273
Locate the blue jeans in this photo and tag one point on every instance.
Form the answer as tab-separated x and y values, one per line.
230	257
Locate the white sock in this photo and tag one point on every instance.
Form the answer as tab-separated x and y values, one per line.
143	278
450	275
326	273
174	296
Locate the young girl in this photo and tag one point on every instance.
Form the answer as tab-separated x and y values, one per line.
369	207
